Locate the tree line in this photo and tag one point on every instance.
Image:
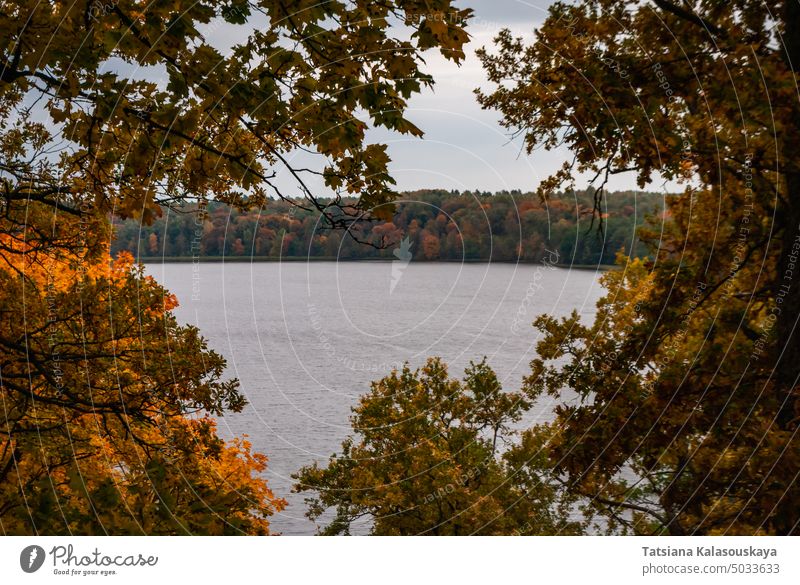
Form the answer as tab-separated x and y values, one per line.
437	225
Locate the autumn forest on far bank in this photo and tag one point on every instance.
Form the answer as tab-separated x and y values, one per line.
438	225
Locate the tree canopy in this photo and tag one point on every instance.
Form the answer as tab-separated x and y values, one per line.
106	405
121	108
432	457
688	377
147	110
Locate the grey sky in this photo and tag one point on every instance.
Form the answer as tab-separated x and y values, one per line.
465	147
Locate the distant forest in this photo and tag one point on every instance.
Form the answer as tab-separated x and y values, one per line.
440	225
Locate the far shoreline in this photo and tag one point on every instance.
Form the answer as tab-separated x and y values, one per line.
296	259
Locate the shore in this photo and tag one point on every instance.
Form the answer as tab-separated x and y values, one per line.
181	259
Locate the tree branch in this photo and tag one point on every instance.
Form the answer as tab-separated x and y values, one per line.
691	17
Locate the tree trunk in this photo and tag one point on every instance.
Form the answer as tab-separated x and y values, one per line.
788	294
787	285
785	516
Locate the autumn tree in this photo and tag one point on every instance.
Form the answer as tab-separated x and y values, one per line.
106	421
124	107
688	376
215	122
431	456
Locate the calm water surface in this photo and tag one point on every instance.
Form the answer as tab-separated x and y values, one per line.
306	339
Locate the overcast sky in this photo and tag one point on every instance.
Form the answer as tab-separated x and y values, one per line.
464	146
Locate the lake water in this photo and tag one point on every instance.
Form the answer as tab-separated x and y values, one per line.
306	339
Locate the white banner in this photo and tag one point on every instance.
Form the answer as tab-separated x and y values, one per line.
384	560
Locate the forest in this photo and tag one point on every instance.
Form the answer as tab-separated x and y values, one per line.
439	225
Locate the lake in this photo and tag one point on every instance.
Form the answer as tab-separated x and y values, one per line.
306	339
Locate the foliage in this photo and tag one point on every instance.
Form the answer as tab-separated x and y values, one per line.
123	107
440	225
428	460
105	425
147	109
687	378
679	418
